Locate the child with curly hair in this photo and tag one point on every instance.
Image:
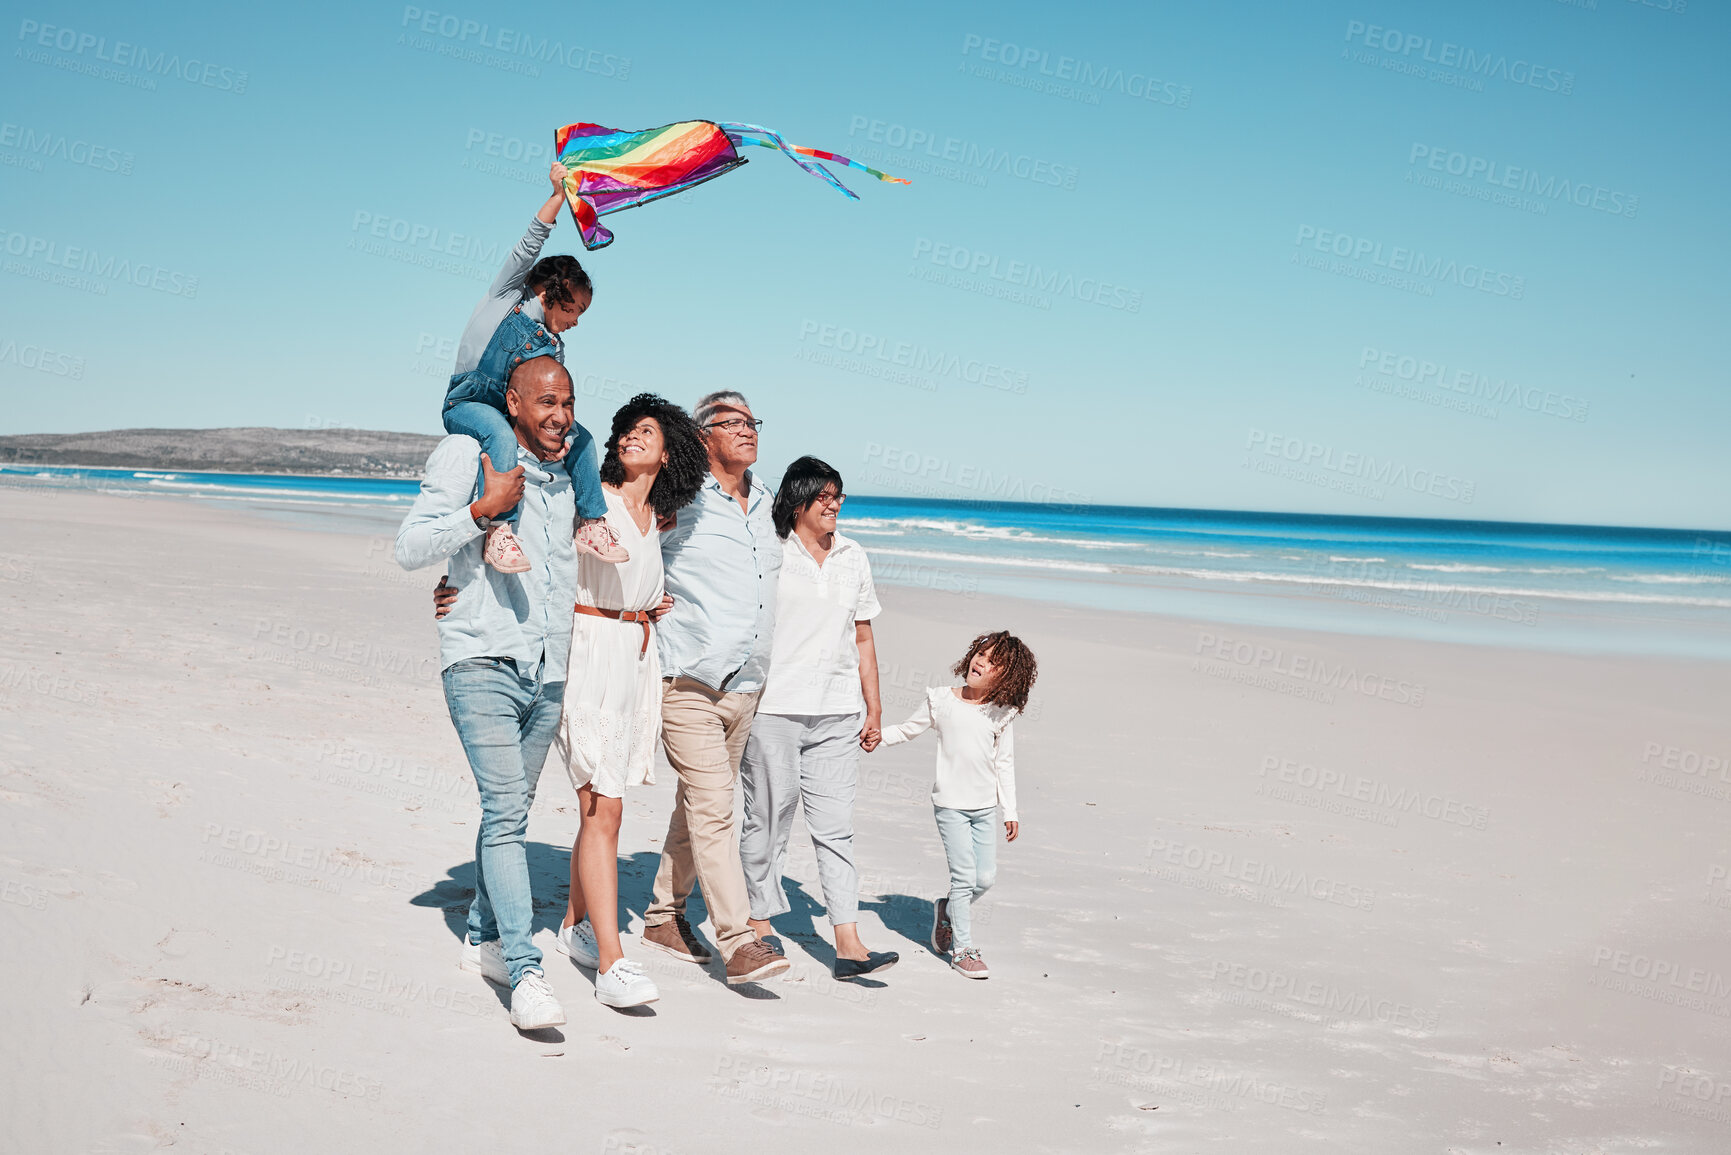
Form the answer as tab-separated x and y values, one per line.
976	776
530	303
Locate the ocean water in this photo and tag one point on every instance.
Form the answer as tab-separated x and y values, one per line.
1576	588
1523	585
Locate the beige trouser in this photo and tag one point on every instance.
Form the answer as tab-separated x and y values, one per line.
704	731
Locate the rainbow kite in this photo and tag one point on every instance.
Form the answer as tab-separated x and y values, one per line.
612	170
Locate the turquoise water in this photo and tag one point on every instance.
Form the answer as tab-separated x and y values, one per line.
1544	586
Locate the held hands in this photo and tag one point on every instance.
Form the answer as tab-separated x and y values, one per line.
499	491
1011	829
444	597
872	733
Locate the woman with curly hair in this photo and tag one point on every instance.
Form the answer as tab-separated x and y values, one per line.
655	461
976	776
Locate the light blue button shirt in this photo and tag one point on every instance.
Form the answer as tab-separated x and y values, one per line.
722	565
525	617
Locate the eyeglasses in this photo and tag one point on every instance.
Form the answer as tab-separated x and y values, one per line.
828	498
736	424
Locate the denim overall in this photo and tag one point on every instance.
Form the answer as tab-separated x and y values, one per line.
475	405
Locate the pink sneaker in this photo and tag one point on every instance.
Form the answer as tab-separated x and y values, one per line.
596	539
970	965
502	551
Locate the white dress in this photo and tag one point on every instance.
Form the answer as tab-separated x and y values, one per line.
612	715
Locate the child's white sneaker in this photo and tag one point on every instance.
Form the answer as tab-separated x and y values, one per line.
533	1004
486	959
970	965
502	551
625	985
597	539
578	941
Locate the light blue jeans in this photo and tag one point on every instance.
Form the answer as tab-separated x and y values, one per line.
506	722
971	846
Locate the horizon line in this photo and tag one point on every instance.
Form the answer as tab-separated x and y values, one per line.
1068	507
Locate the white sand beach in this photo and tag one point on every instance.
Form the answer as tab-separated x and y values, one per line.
1276	891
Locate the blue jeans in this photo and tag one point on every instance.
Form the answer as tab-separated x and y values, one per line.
971	846
506	722
475	405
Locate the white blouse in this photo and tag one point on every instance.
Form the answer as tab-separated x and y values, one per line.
630	585
976	751
814	659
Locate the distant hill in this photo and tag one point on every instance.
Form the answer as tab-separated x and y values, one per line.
337	452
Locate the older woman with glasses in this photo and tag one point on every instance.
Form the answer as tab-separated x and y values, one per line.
819	707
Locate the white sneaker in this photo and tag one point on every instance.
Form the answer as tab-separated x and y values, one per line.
578	941
487	960
625	985
533	1004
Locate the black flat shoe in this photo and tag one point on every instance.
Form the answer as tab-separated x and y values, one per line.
848	968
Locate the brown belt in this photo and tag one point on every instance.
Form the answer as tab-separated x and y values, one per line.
641	616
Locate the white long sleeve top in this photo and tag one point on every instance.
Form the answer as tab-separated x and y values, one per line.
976	751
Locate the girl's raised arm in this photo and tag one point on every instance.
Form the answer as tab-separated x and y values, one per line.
508	285
549	213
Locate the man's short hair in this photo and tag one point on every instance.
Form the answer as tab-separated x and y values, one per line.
534	370
710	403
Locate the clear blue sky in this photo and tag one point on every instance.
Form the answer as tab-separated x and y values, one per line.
1273	128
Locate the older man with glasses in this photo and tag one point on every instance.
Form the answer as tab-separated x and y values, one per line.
722	559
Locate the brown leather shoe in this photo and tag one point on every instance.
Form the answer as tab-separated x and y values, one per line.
943	937
752	962
676	938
